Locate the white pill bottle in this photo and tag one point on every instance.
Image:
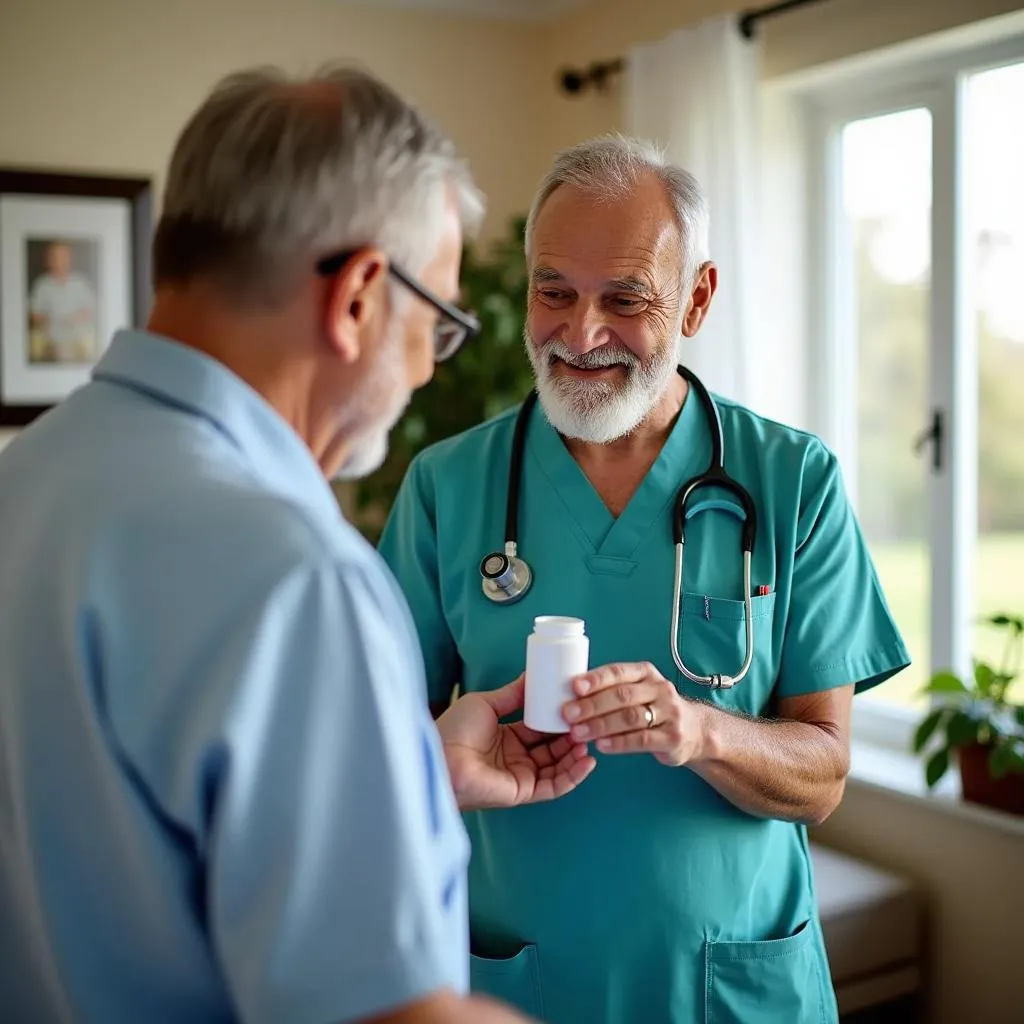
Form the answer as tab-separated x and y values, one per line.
557	650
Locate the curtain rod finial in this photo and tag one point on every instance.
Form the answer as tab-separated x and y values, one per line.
598	74
572	81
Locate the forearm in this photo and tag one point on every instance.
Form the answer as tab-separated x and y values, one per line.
772	768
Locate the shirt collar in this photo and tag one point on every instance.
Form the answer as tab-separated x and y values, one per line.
185	377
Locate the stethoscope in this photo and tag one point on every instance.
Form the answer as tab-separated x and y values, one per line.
505	577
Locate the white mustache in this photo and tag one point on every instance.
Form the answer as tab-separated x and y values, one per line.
595	359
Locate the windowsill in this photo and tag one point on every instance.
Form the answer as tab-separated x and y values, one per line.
901	775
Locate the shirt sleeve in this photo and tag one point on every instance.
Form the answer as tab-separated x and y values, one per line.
334	852
839	628
409	545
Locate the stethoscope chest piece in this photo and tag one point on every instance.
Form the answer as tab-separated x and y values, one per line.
505	578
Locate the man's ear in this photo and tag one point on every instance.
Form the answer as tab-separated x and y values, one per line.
356	297
700	299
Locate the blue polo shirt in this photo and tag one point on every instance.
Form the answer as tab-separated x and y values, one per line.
222	798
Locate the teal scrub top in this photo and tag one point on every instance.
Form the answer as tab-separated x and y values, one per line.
222	800
645	897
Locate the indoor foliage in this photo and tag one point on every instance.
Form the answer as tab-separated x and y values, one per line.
980	713
490	374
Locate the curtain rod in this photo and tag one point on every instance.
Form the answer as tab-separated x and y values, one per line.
573	81
747	21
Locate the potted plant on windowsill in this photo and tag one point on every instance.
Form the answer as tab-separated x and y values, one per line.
977	721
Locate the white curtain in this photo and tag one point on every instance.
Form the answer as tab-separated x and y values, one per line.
696	94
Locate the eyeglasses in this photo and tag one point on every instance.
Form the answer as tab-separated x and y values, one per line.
454	326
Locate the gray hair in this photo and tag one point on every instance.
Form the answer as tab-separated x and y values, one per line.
272	174
611	166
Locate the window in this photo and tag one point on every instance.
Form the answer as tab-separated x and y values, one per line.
885	169
995	213
917	279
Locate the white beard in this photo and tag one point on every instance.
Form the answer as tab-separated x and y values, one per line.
382	399
599	411
366	458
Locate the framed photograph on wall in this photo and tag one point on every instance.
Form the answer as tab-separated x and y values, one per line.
74	268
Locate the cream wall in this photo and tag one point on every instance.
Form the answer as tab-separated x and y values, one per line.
969	871
105	85
793	41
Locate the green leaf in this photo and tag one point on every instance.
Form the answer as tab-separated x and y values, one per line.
937	766
414	429
1015	622
926	729
984	678
1000	683
945	682
961	729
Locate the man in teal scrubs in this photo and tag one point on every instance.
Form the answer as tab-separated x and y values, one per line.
675	885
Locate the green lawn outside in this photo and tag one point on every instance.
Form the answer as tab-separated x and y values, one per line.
903	569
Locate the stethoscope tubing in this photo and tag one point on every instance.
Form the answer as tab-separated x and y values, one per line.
505	578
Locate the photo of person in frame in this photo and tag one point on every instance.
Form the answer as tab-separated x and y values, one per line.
62	300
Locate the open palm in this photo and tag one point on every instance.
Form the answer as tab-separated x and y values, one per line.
495	765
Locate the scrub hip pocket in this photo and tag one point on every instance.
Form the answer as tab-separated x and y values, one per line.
514	980
767	982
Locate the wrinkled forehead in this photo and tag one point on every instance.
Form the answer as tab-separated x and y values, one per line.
591	238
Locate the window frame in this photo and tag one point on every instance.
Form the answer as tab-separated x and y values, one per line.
930	74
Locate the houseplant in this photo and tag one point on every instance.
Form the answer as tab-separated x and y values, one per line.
490	374
978	721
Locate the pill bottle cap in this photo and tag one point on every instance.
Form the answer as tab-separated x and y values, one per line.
557	626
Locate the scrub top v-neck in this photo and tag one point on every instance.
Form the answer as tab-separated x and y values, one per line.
602	535
644	895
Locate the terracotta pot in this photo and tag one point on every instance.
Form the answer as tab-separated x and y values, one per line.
1005	794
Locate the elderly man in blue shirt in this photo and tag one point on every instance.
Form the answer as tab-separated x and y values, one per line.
222	797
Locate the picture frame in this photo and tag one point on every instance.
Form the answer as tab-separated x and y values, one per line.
74	268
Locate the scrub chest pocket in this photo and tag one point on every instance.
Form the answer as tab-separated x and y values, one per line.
514	980
769	982
712	638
